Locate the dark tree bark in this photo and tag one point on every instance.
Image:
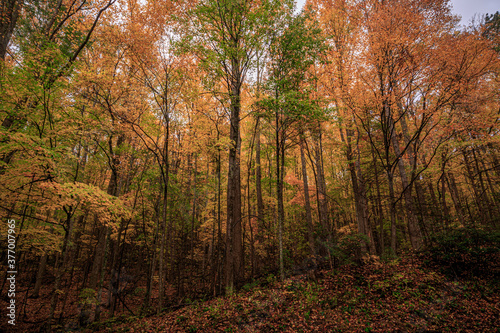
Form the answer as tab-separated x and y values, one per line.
9	13
475	188
379	204
114	162
413	227
234	246
258	177
60	268
307	202
455	196
324	215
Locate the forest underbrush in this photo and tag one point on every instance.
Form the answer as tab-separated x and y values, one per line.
451	286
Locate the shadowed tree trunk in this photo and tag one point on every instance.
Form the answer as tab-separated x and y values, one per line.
114	162
9	13
307	203
413	227
324	217
359	190
234	246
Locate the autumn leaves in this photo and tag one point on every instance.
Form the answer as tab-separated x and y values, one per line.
170	130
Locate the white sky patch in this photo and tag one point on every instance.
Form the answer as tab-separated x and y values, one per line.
465	8
468	8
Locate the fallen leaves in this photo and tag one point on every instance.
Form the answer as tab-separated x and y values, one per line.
376	297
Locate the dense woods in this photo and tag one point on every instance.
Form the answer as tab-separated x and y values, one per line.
156	152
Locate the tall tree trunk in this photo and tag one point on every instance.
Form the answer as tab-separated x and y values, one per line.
484	192
193	206
103	230
307	202
9	13
39	275
364	206
219	270
392	209
250	217
495	163
258	189
62	268
359	203
97	274
152	264
455	196
434	203
280	154
491	185
98	310
379	204
165	169
114	283
477	195
234	246
444	206
98	258
258	177
321	185
413	227
364	199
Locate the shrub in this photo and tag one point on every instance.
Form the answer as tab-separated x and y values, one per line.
465	252
348	248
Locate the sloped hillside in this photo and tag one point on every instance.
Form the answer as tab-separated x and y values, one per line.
399	296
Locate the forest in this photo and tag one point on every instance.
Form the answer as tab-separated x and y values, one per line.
156	154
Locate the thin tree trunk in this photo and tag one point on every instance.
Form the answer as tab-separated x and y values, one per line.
484	192
61	270
39	275
358	202
435	205
258	177
455	196
477	195
98	307
413	227
114	283
412	153
193	208
279	191
103	230
252	249
364	201
219	224
165	168
152	265
444	206
321	185
307	202
392	209
379	205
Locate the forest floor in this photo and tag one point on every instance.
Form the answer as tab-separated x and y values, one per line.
405	295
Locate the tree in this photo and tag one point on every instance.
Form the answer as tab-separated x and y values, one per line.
294	48
225	36
9	13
